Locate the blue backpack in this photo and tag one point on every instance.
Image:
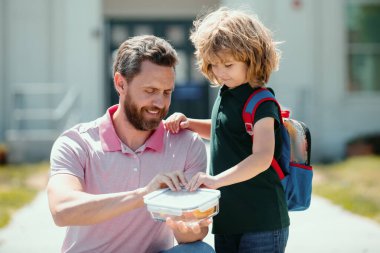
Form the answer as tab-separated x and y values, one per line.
293	166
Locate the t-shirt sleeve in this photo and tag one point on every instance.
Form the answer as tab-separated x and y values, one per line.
196	159
68	155
267	109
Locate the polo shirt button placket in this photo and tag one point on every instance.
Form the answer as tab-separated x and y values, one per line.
136	161
135	170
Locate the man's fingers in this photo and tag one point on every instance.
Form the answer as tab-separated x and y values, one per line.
192	186
182	227
169	183
205	222
174	180
182	178
196	228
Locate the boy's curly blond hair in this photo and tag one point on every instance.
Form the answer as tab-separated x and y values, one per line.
239	34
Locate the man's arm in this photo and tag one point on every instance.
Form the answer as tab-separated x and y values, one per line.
71	206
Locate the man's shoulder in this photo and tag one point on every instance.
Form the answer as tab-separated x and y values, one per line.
184	135
185	139
81	128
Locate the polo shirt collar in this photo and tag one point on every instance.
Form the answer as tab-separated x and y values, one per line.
110	141
242	92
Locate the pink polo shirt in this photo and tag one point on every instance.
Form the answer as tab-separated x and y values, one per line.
94	153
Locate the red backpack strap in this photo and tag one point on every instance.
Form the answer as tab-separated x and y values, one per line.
255	99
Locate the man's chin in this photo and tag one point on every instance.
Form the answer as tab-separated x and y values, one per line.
151	125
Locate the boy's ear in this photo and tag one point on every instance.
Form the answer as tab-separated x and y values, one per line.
119	82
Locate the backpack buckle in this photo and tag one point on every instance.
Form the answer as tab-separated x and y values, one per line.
249	128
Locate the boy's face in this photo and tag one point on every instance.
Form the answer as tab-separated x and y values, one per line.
229	71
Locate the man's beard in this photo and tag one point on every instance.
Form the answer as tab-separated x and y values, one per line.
136	118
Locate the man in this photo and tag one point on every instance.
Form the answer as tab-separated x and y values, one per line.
101	170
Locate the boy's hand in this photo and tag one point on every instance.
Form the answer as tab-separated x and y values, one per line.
176	122
202	179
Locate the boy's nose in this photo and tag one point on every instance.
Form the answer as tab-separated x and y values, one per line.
219	73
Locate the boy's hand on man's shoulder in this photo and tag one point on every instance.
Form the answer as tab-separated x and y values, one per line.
175	122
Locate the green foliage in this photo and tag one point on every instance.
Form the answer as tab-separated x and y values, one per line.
352	184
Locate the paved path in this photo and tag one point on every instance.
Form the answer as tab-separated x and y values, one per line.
32	230
324	228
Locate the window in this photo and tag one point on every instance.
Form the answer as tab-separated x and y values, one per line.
363	21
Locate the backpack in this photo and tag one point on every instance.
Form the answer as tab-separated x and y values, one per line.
293	166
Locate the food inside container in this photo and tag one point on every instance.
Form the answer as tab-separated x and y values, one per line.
189	207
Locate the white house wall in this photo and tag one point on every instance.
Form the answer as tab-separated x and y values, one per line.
49	43
84	63
332	125
344	114
2	70
154	9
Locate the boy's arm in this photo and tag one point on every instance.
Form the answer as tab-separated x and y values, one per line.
260	159
200	126
257	162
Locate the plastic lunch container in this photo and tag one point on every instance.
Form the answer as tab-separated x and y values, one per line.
183	205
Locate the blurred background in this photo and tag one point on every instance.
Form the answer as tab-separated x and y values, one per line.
56	59
55	71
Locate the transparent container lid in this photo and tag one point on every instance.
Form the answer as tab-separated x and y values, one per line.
175	203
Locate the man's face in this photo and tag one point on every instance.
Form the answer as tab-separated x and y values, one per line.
148	95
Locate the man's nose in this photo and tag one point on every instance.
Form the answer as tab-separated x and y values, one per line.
159	101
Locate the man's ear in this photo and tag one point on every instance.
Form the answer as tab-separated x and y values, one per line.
119	82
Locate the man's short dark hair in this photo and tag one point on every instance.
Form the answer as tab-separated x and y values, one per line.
135	50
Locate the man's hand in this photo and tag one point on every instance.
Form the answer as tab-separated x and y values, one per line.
184	227
174	180
185	232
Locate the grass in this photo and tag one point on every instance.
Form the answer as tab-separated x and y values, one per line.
19	185
352	184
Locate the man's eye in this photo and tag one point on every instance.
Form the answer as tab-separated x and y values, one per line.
168	93
149	91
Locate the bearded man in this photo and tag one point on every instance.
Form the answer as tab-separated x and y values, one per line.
101	170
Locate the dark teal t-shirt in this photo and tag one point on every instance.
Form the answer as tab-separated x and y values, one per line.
257	204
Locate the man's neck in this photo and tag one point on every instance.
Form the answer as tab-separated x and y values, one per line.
127	133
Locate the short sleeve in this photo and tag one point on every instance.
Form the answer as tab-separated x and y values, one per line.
267	109
196	160
68	155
